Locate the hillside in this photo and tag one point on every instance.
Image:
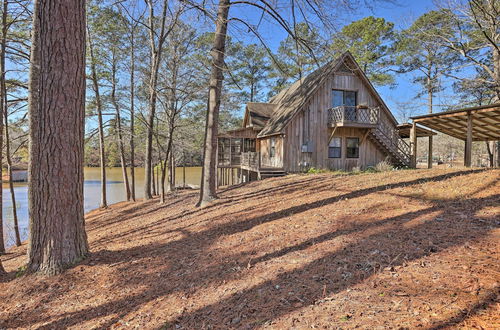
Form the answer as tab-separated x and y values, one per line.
398	249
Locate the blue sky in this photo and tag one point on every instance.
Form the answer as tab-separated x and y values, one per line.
401	13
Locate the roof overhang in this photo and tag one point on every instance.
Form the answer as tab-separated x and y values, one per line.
485	122
245	132
404	131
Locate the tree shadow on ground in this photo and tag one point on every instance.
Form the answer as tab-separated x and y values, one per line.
487	301
263	301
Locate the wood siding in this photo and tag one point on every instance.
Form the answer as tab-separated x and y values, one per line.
265	146
295	160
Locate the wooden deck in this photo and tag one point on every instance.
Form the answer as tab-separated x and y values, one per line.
347	116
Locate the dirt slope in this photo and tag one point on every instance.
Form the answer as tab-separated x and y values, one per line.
388	250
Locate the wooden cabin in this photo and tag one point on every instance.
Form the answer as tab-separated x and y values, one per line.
331	119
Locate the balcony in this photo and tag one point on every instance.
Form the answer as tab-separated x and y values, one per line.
353	116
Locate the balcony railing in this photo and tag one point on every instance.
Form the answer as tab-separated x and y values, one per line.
353	116
250	160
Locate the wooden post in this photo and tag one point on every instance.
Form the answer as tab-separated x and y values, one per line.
468	142
429	153
413	146
230	153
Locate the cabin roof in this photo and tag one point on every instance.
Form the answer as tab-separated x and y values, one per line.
291	100
259	114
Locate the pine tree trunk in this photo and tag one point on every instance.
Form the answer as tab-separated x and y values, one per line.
2	104
132	114
57	229
208	184
121	144
98	103
489	148
496	71
430	88
2	80
153	180
162	180
9	169
172	170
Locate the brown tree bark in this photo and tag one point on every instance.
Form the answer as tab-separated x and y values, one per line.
2	98
132	112
208	184
57	229
489	148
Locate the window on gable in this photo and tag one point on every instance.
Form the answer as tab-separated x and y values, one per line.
344	98
335	148
352	147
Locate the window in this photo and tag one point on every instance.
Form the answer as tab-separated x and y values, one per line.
272	147
347	98
352	148
335	148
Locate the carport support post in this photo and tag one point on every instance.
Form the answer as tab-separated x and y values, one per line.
468	142
413	145
429	153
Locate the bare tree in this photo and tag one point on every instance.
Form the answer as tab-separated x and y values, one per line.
132	110
208	185
118	121
476	37
100	124
156	41
57	232
5	114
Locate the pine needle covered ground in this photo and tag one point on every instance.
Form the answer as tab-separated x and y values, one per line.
415	248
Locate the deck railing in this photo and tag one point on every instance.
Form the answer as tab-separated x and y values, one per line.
250	160
353	114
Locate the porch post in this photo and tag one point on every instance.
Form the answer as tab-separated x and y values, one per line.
230	153
429	153
413	145
468	142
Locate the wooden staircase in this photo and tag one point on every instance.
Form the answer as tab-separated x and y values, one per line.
271	172
388	139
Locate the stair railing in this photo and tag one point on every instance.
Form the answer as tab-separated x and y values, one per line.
393	142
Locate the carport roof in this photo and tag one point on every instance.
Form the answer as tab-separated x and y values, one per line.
485	122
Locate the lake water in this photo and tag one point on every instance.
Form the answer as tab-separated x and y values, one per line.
92	194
